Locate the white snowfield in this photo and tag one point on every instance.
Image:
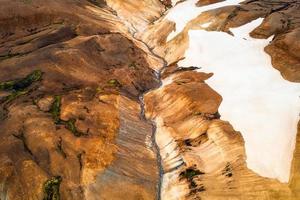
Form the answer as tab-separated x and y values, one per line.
174	2
184	12
257	101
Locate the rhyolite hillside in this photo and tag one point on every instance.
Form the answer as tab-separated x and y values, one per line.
114	99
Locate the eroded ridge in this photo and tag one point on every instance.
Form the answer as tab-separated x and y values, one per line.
202	156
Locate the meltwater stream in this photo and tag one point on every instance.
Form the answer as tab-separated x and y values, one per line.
157	150
142	115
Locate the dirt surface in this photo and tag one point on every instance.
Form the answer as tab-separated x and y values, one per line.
72	124
63	75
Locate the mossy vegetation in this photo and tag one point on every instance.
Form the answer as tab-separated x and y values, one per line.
70	125
114	83
55	112
21	84
197	113
227	171
55	109
8	85
190	173
132	65
14	96
99	90
51	188
8	56
19	87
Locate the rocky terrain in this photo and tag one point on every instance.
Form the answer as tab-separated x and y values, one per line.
96	103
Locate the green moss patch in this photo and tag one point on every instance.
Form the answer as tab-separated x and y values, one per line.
55	112
51	188
70	125
19	87
14	96
190	173
114	83
55	109
99	89
21	84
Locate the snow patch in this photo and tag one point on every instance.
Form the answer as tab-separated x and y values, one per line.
186	11
205	25
167	81
257	101
148	142
174	2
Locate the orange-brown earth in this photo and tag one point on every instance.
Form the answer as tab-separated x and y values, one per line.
72	126
71	77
